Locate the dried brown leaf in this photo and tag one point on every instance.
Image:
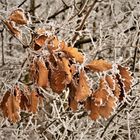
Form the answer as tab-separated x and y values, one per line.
126	77
12	105
3	103
106	110
101	103
14	30
18	16
99	65
64	65
57	80
42	74
117	91
83	88
41	40
110	81
73	53
73	104
33	107
24	104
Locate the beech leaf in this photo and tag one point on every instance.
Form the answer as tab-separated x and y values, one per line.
18	16
42	74
125	77
83	88
99	65
73	53
14	30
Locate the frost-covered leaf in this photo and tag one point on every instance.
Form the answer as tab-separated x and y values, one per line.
73	104
73	53
34	102
11	105
14	30
126	77
101	103
18	16
43	72
99	65
83	88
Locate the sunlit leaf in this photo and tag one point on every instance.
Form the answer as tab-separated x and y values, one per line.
33	107
42	74
125	77
18	16
10	105
83	88
73	53
99	65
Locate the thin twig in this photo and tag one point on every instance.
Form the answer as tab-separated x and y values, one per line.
110	121
64	3
83	7
128	125
32	7
36	7
117	112
84	41
2	47
80	11
22	68
21	3
134	59
59	12
21	42
83	21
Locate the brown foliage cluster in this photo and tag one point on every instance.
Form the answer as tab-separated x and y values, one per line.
58	67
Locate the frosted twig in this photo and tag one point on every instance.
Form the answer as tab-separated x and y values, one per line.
128	126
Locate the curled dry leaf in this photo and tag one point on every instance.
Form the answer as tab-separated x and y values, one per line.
24	104
57	80
18	16
11	105
73	104
125	77
113	84
64	65
60	73
34	101
33	73
41	31
94	110
13	108
53	43
52	60
110	81
99	65
101	103
117	90
3	104
15	31
72	53
40	40
30	100
121	86
42	74
106	110
83	88
39	73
